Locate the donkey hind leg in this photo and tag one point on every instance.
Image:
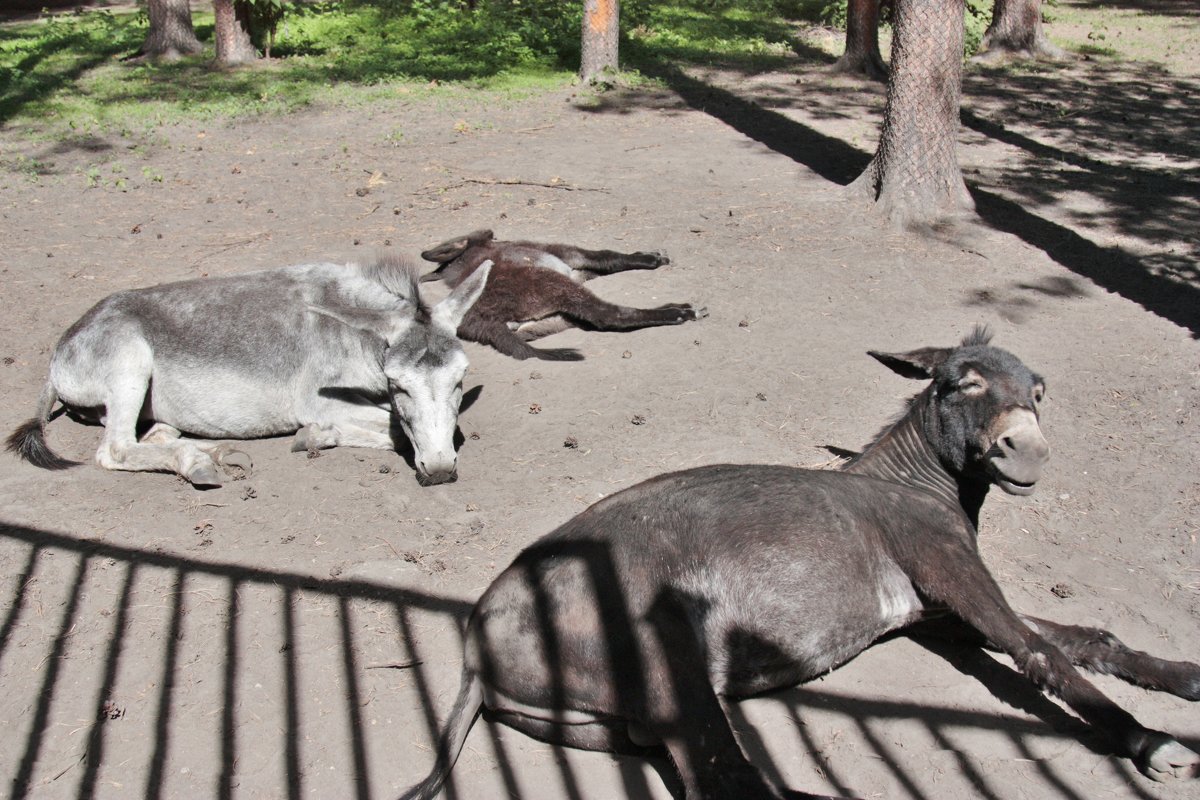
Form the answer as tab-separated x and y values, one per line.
968	589
601	315
121	450
682	710
497	334
339	424
1099	651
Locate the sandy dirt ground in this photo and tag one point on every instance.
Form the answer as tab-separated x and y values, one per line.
296	633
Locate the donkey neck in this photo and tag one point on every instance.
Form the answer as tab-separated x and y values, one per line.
902	454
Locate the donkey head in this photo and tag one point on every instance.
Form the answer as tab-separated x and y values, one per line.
425	368
981	411
424	363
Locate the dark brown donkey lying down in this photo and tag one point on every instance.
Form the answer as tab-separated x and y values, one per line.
534	291
621	630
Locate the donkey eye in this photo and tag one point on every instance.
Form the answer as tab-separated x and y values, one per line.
971	387
1039	394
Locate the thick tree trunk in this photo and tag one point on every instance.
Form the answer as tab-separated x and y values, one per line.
914	177
862	41
171	34
1016	32
600	38
232	32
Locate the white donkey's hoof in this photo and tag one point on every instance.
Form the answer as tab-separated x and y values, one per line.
204	475
1165	759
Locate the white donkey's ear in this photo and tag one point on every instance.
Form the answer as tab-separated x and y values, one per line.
450	312
387	325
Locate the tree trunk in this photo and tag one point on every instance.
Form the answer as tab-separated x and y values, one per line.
171	34
862	41
600	38
1016	32
232	32
914	177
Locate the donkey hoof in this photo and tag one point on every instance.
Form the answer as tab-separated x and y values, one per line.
204	476
700	313
657	258
1164	759
303	440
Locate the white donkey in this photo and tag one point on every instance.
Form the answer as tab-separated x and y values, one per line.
335	353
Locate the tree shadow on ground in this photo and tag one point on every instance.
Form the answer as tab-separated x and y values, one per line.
1099	147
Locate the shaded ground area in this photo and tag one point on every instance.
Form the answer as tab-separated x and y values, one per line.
296	633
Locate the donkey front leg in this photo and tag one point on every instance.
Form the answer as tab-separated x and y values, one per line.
954	575
338	424
605	262
1099	651
476	328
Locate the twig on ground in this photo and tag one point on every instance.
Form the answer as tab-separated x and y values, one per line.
395	665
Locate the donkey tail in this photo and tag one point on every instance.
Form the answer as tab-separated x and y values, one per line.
451	249
462	717
29	439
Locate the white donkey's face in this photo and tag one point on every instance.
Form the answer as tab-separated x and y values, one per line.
425	384
425	365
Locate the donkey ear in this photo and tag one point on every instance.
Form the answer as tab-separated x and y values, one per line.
916	364
450	312
386	325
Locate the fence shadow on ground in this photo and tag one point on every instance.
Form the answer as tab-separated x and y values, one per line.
45	687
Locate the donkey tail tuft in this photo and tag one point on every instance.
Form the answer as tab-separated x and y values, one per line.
466	710
29	439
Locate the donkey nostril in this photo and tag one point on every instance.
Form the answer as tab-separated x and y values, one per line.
1006	443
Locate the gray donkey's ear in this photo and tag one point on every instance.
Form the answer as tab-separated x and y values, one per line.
450	312
387	325
916	364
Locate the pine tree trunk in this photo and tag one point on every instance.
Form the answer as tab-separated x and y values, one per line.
600	38
171	34
232	33
914	177
862	41
1016	32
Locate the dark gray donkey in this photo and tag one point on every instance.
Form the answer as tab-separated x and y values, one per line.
535	291
621	630
335	353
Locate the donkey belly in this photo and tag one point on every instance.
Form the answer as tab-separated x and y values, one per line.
222	404
768	629
748	659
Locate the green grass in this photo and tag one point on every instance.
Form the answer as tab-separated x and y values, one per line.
739	36
64	76
66	72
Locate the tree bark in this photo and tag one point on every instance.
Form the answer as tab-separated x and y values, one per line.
1016	32
862	41
600	38
171	34
914	177
232	33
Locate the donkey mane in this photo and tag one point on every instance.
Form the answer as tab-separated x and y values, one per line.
399	277
893	422
979	335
